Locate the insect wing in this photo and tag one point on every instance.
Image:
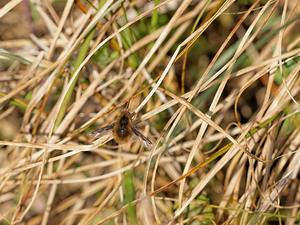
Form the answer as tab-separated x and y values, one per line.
107	130
140	137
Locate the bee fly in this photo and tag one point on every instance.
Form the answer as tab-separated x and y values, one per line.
123	130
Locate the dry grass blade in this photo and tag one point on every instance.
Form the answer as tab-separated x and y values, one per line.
9	6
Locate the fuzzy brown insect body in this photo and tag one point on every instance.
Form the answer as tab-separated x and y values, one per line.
123	130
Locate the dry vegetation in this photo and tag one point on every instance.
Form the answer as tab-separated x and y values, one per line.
215	85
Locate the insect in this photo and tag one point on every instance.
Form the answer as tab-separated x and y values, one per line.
123	130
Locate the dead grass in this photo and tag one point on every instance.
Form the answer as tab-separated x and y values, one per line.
226	141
